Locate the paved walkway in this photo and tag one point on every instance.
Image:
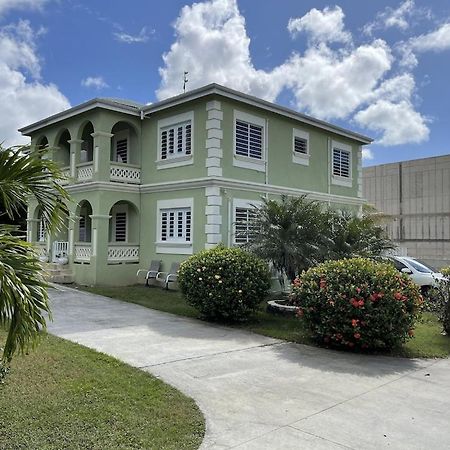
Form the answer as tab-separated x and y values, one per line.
260	393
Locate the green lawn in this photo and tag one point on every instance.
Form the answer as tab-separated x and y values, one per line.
65	396
427	343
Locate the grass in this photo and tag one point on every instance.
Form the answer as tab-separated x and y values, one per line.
63	395
427	343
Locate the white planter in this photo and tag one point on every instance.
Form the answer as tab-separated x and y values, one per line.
43	258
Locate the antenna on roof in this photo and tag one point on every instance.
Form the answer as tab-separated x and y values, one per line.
185	80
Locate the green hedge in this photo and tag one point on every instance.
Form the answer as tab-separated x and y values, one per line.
224	283
357	303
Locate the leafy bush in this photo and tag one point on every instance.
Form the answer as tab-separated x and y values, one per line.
357	303
224	283
439	300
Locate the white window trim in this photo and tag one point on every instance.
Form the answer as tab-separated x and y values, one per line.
123	134
247	162
177	161
336	179
175	248
120	209
241	203
299	158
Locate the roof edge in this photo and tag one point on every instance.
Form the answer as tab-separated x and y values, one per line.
209	89
214	88
78	109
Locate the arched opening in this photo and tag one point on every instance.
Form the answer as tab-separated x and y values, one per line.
42	143
62	155
124	143
124	223
83	232
123	247
87	147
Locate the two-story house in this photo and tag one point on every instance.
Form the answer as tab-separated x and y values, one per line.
166	180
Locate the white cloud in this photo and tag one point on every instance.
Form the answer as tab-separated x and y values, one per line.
435	41
402	17
332	84
142	36
212	44
94	82
25	99
321	26
399	122
7	5
438	40
367	154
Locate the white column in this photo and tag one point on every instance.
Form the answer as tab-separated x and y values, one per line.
214	138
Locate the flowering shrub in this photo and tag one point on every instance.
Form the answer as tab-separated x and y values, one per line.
357	303
224	283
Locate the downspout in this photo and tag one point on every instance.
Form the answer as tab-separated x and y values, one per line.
329	169
266	157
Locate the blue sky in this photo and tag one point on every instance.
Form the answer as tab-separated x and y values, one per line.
380	68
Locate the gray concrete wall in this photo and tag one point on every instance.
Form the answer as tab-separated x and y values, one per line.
415	195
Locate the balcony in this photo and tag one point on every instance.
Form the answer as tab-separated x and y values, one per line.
125	173
123	253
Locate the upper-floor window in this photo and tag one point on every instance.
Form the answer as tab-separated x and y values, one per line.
341	164
175	140
249	141
121	146
300	147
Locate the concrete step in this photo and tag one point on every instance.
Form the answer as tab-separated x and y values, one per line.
62	279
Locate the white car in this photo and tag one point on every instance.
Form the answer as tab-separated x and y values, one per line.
425	276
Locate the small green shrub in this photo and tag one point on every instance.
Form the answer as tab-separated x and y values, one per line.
357	303
224	283
440	302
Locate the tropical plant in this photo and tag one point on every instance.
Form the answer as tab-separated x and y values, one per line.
351	235
292	234
438	300
25	175
224	283
357	303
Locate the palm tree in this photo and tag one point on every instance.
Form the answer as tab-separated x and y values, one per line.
357	236
291	233
23	291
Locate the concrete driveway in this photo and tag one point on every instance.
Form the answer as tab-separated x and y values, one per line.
261	393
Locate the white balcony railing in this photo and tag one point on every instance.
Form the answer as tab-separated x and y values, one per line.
83	252
125	173
85	171
123	253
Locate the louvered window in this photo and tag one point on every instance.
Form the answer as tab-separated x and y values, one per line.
249	140
244	227
82	229
341	163
41	231
122	150
121	227
176	225
176	140
300	145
